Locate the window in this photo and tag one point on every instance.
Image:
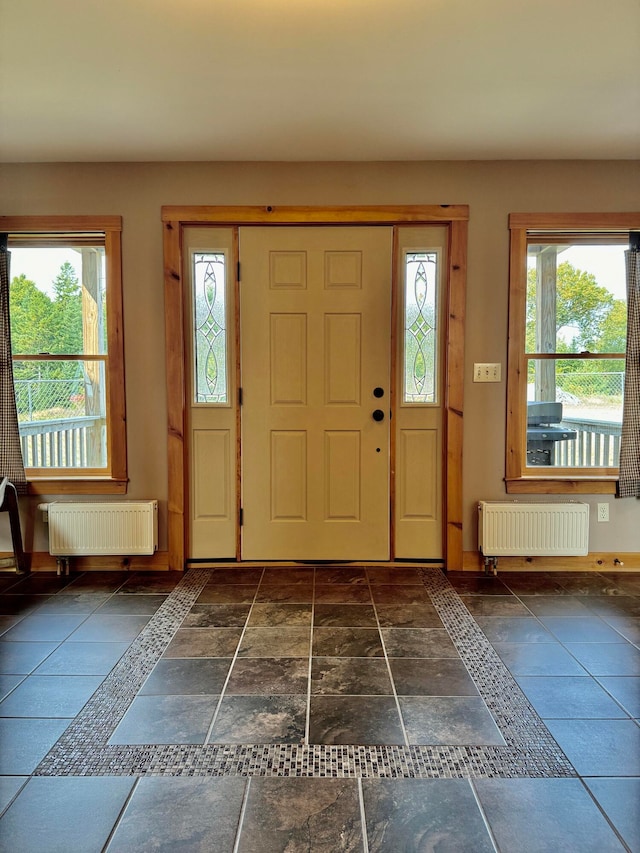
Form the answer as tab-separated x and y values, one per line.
420	327
209	327
567	338
66	335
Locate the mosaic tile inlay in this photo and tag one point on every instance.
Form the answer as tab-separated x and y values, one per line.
530	750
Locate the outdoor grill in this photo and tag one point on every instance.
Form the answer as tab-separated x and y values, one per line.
542	435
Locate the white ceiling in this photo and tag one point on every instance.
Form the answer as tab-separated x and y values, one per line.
162	80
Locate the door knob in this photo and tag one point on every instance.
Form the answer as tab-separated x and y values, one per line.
378	392
378	415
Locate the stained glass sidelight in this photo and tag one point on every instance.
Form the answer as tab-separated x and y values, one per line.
420	328
210	333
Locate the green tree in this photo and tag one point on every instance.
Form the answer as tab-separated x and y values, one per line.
67	314
31	309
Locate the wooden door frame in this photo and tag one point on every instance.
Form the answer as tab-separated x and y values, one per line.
176	218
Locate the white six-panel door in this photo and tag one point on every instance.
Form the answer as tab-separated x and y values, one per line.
315	345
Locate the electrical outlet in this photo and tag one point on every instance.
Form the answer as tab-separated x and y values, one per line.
487	372
603	512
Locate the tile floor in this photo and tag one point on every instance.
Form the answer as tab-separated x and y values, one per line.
328	708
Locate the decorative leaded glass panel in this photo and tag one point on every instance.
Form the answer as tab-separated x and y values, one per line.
420	328
210	328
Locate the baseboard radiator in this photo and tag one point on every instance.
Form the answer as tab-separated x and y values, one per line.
86	529
515	529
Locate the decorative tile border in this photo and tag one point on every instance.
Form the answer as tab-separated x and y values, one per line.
83	749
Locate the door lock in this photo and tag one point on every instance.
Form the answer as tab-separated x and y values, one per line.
378	415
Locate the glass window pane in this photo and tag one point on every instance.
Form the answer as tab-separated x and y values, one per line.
576	298
574	412
210	328
61	413
420	328
58	300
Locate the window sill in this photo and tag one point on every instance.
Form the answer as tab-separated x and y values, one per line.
76	486
561	486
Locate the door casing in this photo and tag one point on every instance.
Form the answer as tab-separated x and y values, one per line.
175	219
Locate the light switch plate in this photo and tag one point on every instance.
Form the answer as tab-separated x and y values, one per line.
487	372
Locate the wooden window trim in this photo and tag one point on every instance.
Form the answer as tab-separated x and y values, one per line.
519	478
76	482
176	218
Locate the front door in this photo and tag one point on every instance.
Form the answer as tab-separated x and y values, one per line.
315	309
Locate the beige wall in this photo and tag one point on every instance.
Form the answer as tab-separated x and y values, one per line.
492	190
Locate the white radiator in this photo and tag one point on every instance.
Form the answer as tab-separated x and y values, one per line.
514	529
111	528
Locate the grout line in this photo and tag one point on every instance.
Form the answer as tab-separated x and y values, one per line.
118	820
484	816
233	663
243	809
307	724
363	818
386	658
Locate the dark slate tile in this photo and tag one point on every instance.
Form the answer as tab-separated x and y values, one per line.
279	613
569	697
279	576
342	594
227	594
52	814
276	642
538	659
494	605
82	659
620	799
450	720
627	626
44	627
166	719
21	605
41	583
354	720
237	574
468	583
555	605
533	583
350	676
607	658
151	582
507	629
9	787
76	603
599	747
96	582
399	594
187	677
302	815
204	643
345	615
340	574
393	575
416	815
171	814
625	690
25	742
132	604
217	616
408	616
7	622
418	643
109	629
268	676
50	696
579	630
588	583
260	719
629	582
8	682
22	658
613	606
540	815
291	593
431	677
347	642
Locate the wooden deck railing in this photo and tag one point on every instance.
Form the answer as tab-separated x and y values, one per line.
62	443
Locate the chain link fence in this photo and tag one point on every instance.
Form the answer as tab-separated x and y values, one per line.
49	399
